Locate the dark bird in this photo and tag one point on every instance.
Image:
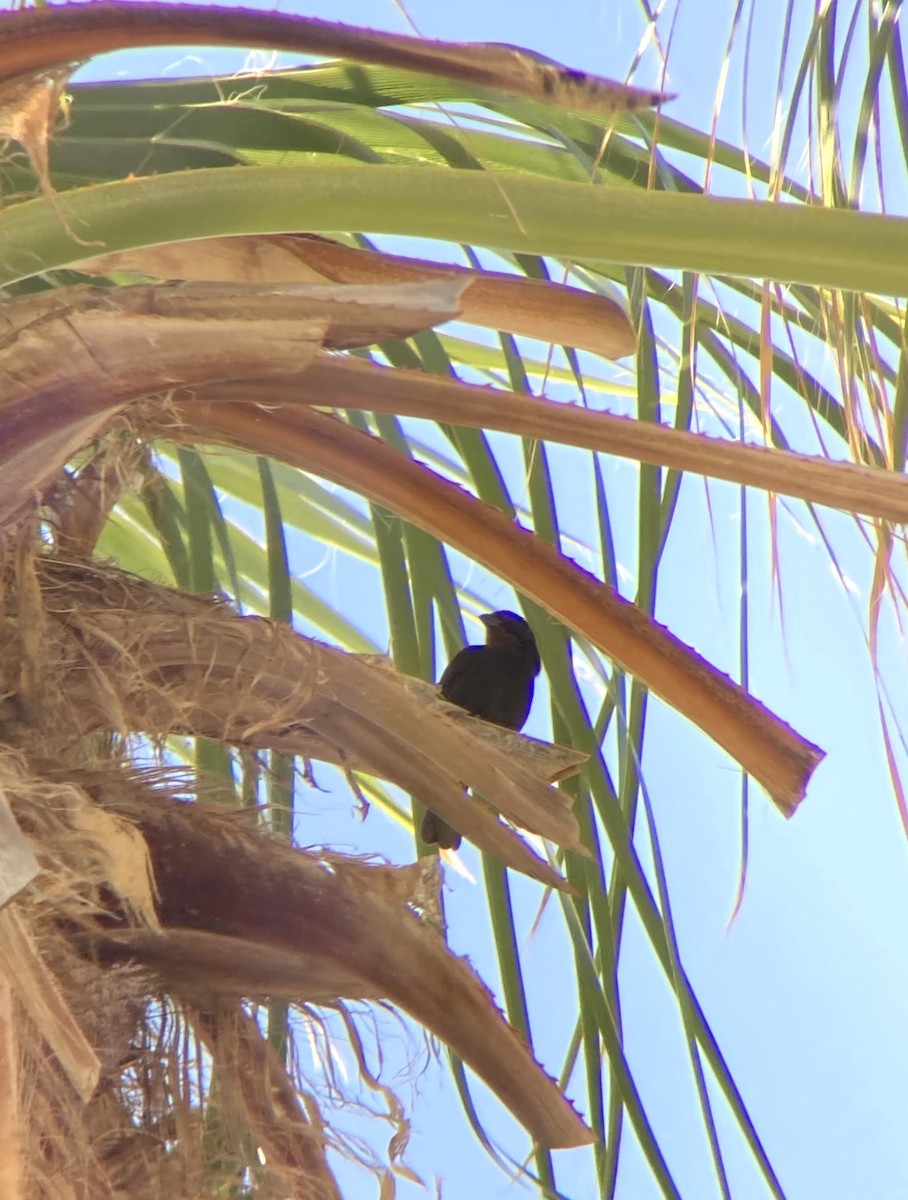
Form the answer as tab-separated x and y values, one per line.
495	682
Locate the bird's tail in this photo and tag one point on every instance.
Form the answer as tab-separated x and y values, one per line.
435	830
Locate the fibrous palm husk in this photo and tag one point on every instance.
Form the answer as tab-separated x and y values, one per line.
153	919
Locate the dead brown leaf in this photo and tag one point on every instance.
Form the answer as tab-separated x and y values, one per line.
214	876
35	39
535	308
130	656
70	359
775	754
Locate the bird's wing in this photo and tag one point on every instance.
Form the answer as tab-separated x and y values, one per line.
458	683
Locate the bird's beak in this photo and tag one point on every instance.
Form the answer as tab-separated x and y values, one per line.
489	620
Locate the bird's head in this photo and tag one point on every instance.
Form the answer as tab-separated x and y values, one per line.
506	628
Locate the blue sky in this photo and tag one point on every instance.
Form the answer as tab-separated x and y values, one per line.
805	988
